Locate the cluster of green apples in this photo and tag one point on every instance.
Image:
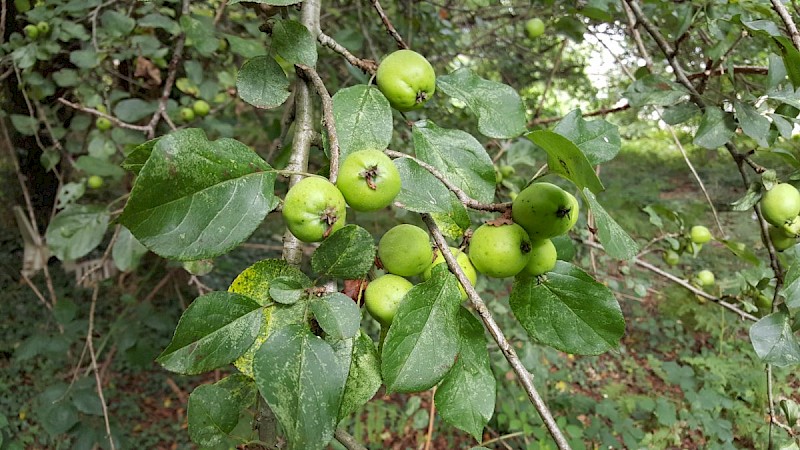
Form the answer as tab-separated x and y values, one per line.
520	245
698	235
780	207
37	31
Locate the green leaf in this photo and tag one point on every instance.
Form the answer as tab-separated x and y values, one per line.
155	20
127	251
741	251
100	167
716	128
134	109
568	311
197	199
458	156
200	32
791	59
752	122
54	411
286	290
774	341
749	199
363	119
422	192
212	415
454	222
617	243
784	127
348	253
76	231
138	156
337	315
26	125
598	140
500	111
116	23
249	48
422	342
213	331
654	90
364	378
294	43
466	397
791	287
302	381
566	159
679	113
262	82
85	59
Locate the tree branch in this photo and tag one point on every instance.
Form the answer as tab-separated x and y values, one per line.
346	439
461	195
599	112
786	17
366	65
523	375
389	27
327	117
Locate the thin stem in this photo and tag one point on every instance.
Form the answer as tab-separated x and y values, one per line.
366	65
97	379
388	24
525	377
786	17
346	439
462	196
431	416
114	120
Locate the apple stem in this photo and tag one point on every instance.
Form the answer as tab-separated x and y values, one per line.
370	175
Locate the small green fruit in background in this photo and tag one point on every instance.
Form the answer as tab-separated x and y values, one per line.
671	257
102	124
463	261
383	296
405	250
705	278
31	31
500	251
781	204
534	27
406	79
187	114
780	240
44	28
201	108
543	257
700	234
94	182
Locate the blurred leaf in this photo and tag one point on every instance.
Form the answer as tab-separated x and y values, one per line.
740	250
212	414
654	90
363	119
566	159
76	231
348	253
116	23
337	315
774	341
458	156
679	113
155	20
598	140
568	311
262	83
752	122
466	396
302	381
200	33
791	287
26	125
206	196
500	111
616	242
99	167
292	41
127	251
749	199
716	128
213	331
84	59
134	109
268	2
422	342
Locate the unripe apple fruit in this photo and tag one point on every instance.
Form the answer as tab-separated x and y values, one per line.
500	251
534	27
700	234
705	278
406	79
369	180
780	204
383	296
405	250
545	210
463	261
543	257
